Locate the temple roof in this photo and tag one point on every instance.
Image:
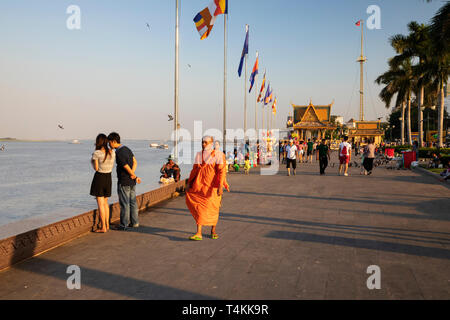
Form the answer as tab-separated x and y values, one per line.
312	116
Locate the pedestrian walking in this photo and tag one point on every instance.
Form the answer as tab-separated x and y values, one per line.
309	151
205	188
291	154
369	156
323	156
345	155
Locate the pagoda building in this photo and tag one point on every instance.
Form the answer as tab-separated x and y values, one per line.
312	122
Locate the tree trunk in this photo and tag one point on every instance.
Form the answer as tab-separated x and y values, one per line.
420	117
409	120
441	132
403	123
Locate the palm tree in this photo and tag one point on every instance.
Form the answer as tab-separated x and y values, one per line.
415	45
439	68
399	80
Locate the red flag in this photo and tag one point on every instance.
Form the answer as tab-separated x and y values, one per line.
358	23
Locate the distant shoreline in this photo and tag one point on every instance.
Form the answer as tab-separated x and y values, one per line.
27	140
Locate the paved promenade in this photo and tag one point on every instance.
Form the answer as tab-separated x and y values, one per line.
300	237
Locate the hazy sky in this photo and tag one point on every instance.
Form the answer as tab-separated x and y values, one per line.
116	74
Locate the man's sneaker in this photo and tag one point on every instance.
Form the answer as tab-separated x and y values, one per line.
346	174
135	225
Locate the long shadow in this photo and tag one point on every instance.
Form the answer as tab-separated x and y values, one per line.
159	232
363	230
130	287
435	209
304	197
103	280
363	244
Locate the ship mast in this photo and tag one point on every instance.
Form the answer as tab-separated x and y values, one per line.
361	60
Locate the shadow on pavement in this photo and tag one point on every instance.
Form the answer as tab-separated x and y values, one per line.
362	244
121	285
434	209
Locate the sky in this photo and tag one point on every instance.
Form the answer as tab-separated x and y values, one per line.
115	74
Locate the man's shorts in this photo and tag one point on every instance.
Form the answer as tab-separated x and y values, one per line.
344	159
309	153
291	161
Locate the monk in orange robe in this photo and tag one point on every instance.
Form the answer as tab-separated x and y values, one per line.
205	187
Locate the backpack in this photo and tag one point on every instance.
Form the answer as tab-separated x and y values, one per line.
344	152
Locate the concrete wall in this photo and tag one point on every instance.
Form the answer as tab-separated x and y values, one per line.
36	241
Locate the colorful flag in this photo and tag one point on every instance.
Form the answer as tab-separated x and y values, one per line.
274	106
254	73
244	51
263	86
358	23
268	96
204	20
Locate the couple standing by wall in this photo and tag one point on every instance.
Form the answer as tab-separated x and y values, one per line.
107	151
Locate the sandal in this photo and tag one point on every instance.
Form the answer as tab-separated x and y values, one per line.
214	236
196	238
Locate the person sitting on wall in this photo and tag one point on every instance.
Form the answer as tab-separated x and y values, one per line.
434	162
171	170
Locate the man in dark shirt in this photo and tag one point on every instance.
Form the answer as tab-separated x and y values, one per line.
323	155
126	185
309	152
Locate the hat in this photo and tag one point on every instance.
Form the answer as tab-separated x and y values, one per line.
170	157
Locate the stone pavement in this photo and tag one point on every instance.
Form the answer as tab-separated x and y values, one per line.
300	237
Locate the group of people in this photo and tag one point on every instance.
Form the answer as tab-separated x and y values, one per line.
203	193
367	153
293	152
109	150
245	156
307	150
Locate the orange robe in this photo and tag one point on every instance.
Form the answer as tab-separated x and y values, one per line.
205	179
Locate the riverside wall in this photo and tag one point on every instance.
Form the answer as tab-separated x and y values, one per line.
31	243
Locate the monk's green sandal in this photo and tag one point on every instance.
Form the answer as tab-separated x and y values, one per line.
196	238
215	236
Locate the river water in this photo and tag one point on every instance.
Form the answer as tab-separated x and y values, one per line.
42	178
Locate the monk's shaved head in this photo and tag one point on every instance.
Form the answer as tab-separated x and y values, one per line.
208	139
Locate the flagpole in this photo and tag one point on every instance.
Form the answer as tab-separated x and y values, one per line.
245	91
225	85
256	106
361	60
176	82
256	98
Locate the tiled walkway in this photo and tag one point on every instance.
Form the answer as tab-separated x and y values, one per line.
300	237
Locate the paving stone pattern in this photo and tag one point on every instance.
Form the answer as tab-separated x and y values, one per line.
299	237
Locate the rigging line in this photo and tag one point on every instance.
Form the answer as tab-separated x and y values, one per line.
371	96
353	92
356	48
368	86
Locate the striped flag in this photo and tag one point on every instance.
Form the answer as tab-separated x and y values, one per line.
263	86
244	51
204	20
254	73
268	96
358	23
274	106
